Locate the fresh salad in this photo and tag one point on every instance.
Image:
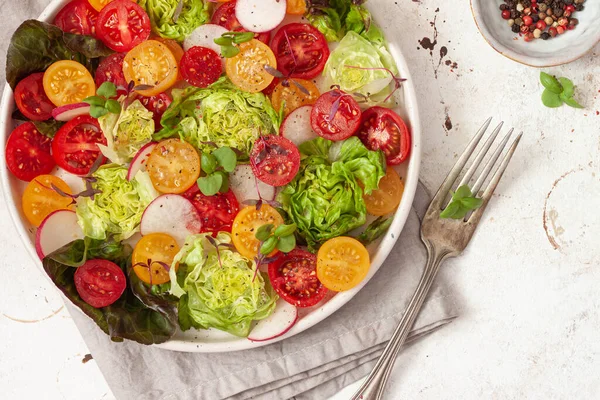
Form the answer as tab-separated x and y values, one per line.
194	164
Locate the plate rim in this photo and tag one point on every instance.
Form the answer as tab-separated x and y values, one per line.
410	108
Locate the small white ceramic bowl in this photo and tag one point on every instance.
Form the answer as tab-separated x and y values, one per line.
559	50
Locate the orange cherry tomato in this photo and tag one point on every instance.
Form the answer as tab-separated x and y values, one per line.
41	200
151	63
245	224
296	7
171	45
149	255
99	4
68	82
247	69
342	263
292	96
387	197
173	166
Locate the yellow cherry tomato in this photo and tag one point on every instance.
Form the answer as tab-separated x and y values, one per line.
41	200
342	263
387	197
247	69
173	166
292	97
149	255
99	4
296	7
68	82
245	225
151	63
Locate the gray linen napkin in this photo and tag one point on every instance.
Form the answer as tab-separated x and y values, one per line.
312	365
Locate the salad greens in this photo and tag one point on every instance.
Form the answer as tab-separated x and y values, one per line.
35	45
126	132
217	166
375	230
325	200
222	288
219	115
176	19
369	61
334	18
137	315
117	210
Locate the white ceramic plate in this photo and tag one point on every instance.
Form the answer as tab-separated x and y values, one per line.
213	340
562	49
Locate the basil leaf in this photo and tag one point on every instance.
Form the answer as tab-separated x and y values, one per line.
286	243
226	158
375	230
568	87
113	106
210	185
98	111
208	163
95	101
454	210
229	51
242	37
223	41
550	82
571	102
107	90
471	203
285	230
551	99
462	192
264	232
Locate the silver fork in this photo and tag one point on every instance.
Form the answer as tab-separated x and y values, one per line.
443	238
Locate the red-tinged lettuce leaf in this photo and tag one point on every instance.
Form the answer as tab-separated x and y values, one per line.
139	314
35	45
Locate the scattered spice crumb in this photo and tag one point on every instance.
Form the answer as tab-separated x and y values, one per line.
86	358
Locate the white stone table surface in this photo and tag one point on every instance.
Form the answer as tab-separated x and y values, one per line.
528	287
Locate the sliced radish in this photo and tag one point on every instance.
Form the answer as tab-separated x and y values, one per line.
70	111
139	161
171	214
278	323
260	15
243	183
75	182
296	126
205	36
57	229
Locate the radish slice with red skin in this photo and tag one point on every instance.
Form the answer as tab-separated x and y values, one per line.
56	230
139	160
243	183
260	15
276	324
204	36
70	111
296	126
171	214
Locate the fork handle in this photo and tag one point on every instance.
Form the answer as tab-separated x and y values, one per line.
374	385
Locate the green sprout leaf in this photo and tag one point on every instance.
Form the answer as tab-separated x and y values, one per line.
571	102
226	158
113	106
98	111
269	245
208	163
551	99
229	51
568	87
211	184
242	37
107	90
286	243
285	230
264	232
225	185
550	82
94	101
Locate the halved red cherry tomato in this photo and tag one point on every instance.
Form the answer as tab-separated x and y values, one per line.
158	105
78	17
294	278
383	129
111	70
217	212
275	160
122	25
32	100
345	111
100	282
28	152
225	16
75	146
200	66
301	50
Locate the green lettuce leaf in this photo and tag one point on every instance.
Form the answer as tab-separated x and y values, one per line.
368	60
325	200
220	115
222	289
334	18
35	45
117	210
126	132
165	21
137	315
